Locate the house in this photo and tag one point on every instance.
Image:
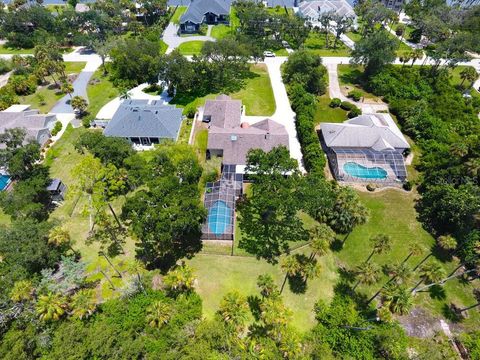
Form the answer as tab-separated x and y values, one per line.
396	5
311	10
57	190
36	125
231	139
81	8
367	148
200	12
145	123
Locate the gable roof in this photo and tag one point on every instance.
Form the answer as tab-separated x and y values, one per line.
312	9
223	112
376	131
143	119
198	8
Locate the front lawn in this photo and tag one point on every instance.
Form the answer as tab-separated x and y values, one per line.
180	10
100	91
316	42
325	113
15	51
220	31
191	47
354	36
74	67
350	77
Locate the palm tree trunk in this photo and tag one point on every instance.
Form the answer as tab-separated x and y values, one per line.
108	279
375	295
406	259
312	255
469	307
422	262
108	260
370	256
416	286
283	284
455	270
114	215
356	285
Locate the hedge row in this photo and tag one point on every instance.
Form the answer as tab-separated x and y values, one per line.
304	105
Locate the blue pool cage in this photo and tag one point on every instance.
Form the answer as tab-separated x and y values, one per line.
220	198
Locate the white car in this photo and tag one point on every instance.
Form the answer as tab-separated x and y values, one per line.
268	54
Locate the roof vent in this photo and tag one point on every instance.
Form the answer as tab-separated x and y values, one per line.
233	137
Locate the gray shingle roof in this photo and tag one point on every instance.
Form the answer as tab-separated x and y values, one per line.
312	9
223	112
198	8
376	131
142	119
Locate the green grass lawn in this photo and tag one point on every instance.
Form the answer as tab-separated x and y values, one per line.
349	77
354	36
281	52
100	91
7	50
457	80
393	213
191	47
185	130
316	43
408	30
257	94
220	31
325	113
163	47
234	20
74	67
177	14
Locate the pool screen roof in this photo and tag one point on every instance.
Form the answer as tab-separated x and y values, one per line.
391	161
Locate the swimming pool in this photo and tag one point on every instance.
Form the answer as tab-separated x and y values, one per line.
359	171
219	217
4	181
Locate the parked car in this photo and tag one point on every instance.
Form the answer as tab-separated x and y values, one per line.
268	54
285	44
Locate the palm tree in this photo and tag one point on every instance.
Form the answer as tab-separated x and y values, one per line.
430	274
413	250
180	279
469	73
321	236
415	55
325	19
290	267
60	238
22	291
367	274
51	307
158	314
381	243
447	242
124	94
309	269
84	304
399	273
234	309
473	167
267	285
67	88
398	299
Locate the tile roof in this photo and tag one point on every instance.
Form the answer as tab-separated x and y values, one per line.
198	8
312	9
139	118
376	131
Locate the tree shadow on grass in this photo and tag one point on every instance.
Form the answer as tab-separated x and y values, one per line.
254	304
451	314
437	292
297	285
354	76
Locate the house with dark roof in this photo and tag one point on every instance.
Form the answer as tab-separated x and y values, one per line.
367	148
57	190
231	139
37	126
145	122
200	12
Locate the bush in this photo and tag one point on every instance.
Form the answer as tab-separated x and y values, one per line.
153	89
5	66
335	102
345	105
56	129
356	95
371	187
23	85
407	186
190	111
203	29
354	113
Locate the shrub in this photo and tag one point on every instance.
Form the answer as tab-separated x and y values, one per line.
354	112
400	30
203	29
56	129
407	186
356	95
371	187
23	85
190	111
335	102
153	88
345	105
5	66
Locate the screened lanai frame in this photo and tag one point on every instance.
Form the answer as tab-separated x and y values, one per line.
392	161
220	198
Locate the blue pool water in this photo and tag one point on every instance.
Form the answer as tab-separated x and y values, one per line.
219	217
362	172
4	181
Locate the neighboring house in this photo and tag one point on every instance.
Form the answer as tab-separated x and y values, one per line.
368	148
231	139
145	123
36	125
200	12
57	190
81	8
311	10
396	5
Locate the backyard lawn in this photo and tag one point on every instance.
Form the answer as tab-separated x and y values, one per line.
191	47
316	43
325	113
349	77
177	14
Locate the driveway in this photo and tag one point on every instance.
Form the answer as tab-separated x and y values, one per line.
171	38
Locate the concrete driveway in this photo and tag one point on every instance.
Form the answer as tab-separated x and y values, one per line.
171	38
